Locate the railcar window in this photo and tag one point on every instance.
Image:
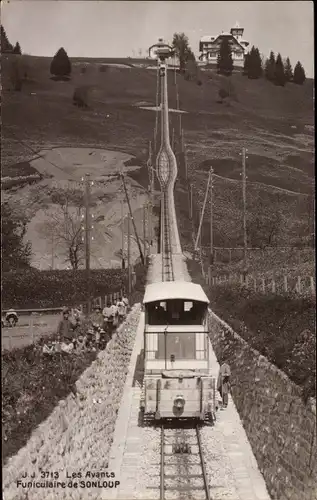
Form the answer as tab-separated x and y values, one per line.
176	312
181	344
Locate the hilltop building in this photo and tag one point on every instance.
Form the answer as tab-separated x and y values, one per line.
209	46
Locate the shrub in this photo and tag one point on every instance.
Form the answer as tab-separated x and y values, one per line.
80	97
103	69
83	70
61	65
223	93
57	288
16	75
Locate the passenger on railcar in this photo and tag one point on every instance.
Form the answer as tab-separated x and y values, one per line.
160	314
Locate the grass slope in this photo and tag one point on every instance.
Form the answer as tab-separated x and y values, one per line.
280	327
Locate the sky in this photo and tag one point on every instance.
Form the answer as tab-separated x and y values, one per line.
121	29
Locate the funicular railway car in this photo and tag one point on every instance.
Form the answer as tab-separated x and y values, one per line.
177	379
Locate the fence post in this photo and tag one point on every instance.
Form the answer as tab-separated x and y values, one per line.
273	285
285	283
254	284
312	285
230	256
246	281
263	284
298	285
213	280
241	279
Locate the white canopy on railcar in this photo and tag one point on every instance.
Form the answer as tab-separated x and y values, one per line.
171	290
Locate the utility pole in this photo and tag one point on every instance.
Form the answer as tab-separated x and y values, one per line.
129	258
122	237
144	231
150	205
133	222
87	238
53	251
191	201
211	261
203	211
244	197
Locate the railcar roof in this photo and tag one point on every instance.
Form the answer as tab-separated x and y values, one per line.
169	290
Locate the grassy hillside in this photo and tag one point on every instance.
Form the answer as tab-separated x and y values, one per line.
275	124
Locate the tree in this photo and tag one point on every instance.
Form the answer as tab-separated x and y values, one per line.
61	65
299	74
182	49
254	65
270	67
246	65
17	49
15	252
191	67
279	75
6	46
288	71
224	60
64	225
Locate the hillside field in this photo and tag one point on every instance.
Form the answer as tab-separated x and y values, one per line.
275	124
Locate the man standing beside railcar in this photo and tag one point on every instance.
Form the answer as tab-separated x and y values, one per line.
223	383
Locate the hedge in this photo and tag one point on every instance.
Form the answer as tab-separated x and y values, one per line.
45	289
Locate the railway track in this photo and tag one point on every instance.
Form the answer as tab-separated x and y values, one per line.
183	474
167	258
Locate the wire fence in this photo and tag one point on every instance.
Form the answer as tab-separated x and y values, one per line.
300	285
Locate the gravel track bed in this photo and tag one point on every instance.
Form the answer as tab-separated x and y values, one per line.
218	468
78	434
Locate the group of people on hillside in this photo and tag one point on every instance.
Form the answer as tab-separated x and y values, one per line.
98	328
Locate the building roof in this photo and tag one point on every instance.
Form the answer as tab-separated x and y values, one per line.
207	38
169	290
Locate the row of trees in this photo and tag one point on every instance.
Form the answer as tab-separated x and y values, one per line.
275	70
6	46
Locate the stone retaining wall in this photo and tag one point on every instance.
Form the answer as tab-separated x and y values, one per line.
281	428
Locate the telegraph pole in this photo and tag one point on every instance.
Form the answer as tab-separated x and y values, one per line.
122	236
150	205
211	259
129	258
87	238
144	231
244	197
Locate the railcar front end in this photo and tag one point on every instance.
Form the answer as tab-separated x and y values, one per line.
177	379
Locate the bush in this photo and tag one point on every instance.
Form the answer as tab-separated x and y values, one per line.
80	97
57	288
83	70
16	75
61	65
103	69
223	93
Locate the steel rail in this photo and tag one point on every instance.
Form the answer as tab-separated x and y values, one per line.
186	489
203	467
